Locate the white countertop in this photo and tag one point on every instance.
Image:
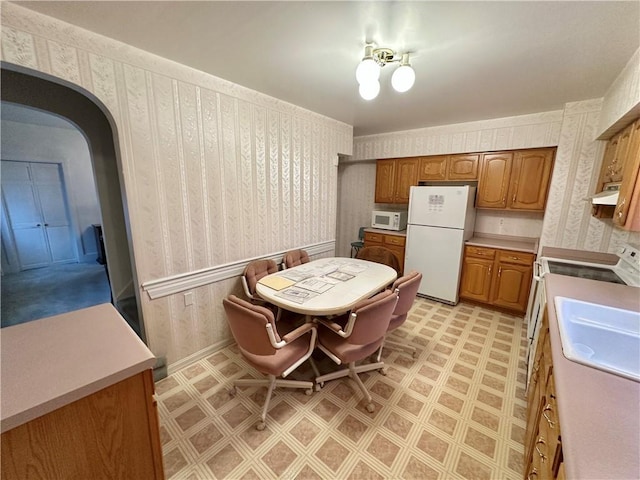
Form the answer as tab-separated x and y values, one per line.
506	242
599	412
400	233
51	362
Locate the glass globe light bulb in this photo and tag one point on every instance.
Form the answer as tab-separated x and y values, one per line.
368	71
404	77
369	90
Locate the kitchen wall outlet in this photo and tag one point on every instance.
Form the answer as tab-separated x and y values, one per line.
501	222
188	299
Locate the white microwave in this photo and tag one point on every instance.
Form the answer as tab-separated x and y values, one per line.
389	220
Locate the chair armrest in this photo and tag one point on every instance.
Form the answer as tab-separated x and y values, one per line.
298	332
336	327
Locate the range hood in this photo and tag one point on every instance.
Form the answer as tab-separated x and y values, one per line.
608	196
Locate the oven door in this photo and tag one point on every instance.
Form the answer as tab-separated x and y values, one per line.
535	310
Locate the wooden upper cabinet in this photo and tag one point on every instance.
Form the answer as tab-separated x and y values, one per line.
615	156
493	185
463	167
627	212
433	167
385	180
530	178
449	167
406	176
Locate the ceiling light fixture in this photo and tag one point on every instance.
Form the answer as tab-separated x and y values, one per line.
368	71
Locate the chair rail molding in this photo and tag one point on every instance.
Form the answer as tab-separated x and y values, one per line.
166	286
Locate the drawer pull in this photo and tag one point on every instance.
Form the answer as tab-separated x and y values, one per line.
514	258
543	457
533	473
546	409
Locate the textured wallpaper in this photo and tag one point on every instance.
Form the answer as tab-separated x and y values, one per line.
214	173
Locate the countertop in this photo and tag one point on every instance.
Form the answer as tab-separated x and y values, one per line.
507	242
599	412
401	233
51	362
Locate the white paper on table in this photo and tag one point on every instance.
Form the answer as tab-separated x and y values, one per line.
296	295
296	275
340	276
315	285
353	269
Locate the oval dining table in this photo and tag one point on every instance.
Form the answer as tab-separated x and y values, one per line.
327	286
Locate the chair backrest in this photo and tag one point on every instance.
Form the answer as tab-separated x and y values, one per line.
294	258
372	318
248	324
254	271
379	255
407	287
361	233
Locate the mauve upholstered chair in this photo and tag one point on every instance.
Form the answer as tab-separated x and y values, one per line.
406	287
293	258
253	272
355	336
275	350
379	255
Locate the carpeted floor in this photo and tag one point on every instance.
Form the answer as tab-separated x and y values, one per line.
457	411
42	292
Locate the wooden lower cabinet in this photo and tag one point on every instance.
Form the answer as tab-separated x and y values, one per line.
543	442
113	433
497	277
395	243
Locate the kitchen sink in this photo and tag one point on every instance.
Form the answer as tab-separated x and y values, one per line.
602	337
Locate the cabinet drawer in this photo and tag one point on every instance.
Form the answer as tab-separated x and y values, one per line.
521	258
394	240
480	252
373	237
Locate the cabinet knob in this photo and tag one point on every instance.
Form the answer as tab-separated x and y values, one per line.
38	225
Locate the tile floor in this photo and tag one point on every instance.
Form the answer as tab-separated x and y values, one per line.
455	411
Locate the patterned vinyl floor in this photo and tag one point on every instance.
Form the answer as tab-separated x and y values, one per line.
455	411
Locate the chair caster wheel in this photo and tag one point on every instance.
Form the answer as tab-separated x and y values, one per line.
317	387
232	391
414	355
371	408
308	391
260	426
383	371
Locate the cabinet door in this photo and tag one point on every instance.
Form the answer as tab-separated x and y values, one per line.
385	180
406	177
511	286
493	184
433	167
629	197
608	162
530	178
463	167
475	283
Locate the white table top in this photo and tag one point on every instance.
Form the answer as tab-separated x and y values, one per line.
339	282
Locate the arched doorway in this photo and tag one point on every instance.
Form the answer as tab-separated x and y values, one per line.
40	91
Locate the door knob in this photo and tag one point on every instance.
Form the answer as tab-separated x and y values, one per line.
38	225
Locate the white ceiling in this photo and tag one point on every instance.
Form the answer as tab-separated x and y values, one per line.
473	60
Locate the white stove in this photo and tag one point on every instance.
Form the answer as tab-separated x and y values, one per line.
626	271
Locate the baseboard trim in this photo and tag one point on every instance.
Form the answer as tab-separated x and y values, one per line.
187	281
194	357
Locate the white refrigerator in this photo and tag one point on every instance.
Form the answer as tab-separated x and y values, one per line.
441	219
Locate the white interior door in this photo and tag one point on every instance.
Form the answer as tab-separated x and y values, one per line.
34	198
